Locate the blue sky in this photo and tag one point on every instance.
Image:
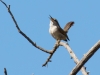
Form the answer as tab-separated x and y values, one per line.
21	58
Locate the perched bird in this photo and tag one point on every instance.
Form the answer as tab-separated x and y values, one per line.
57	32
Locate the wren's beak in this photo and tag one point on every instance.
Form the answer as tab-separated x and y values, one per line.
52	19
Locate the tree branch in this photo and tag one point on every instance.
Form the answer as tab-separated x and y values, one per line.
5	71
23	34
85	58
52	52
72	54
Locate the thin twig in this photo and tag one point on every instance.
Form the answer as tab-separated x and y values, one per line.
85	58
23	34
52	52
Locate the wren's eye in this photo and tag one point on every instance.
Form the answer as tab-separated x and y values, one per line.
55	19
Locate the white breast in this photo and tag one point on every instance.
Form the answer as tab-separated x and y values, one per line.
52	28
55	33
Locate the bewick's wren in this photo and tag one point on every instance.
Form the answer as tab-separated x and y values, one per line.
57	32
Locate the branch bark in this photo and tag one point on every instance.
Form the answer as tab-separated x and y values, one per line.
72	54
85	58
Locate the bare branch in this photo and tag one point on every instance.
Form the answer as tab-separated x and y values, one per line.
5	71
72	54
23	34
4	3
85	58
52	52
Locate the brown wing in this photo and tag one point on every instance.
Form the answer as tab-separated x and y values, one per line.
67	26
63	32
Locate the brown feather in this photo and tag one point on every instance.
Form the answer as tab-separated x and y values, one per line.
67	26
63	32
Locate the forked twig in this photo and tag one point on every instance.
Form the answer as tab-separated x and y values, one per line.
52	52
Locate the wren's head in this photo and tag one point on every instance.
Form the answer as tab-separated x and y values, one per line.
56	31
53	21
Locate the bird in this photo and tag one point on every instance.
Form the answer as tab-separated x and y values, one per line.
57	32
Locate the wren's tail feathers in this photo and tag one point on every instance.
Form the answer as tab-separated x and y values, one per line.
68	26
68	38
